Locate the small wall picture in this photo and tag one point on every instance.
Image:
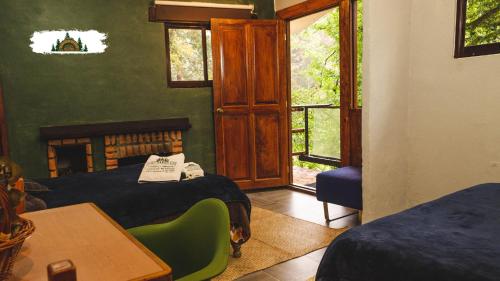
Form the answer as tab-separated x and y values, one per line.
64	42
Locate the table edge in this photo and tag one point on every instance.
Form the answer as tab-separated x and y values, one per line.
165	268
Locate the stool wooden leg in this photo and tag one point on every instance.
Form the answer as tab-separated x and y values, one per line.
360	216
325	210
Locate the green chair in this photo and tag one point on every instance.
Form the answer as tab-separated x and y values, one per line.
195	245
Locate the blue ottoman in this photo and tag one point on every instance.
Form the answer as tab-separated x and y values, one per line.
341	186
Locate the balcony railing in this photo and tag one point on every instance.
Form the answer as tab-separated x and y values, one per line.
319	134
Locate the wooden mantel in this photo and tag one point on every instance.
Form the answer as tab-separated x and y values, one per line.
102	129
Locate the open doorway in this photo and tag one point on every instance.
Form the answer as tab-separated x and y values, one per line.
315	95
320	97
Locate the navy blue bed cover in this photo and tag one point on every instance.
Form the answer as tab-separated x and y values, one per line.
454	238
132	204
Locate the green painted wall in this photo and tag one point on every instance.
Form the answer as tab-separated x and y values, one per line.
125	83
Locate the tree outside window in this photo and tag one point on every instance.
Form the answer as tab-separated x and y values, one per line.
478	28
189	55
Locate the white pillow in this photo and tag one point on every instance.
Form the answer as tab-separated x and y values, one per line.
192	171
161	169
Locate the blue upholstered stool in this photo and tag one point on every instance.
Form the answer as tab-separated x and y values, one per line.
342	187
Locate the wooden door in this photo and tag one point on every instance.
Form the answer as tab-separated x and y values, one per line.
250	101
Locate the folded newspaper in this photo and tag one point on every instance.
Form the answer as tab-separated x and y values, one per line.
162	169
192	170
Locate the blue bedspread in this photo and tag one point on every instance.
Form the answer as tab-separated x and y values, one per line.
131	204
454	238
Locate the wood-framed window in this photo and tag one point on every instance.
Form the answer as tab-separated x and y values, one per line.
477	28
189	55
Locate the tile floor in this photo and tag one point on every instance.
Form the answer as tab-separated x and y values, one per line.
304	176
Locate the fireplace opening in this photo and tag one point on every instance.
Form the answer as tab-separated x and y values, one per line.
71	159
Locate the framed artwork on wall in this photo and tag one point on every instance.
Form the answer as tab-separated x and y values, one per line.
64	42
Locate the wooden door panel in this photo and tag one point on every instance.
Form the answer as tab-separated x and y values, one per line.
251	119
233	66
265	63
236	135
267	145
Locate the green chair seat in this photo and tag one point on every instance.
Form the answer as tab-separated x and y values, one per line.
195	245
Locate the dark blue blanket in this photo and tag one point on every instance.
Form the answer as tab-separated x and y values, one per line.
131	204
454	238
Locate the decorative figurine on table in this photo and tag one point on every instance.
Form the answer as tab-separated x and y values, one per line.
13	229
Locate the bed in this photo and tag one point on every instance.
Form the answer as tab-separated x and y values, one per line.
454	238
131	204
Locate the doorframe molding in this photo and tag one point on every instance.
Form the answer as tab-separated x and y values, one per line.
306	8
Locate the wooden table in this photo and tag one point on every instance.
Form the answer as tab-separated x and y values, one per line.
99	248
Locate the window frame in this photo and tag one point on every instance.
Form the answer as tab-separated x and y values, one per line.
462	51
203	27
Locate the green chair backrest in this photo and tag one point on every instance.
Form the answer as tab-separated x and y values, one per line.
199	239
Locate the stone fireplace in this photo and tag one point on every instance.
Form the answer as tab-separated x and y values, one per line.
69	148
131	145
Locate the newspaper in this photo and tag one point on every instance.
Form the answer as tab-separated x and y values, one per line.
162	169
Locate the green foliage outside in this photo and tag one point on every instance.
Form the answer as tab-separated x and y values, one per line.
359	52
186	54
315	79
208	35
482	22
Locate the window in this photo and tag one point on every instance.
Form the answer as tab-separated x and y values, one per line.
189	55
478	28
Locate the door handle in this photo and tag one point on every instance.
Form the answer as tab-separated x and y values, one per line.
219	110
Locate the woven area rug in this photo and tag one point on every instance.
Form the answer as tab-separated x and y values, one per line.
276	238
